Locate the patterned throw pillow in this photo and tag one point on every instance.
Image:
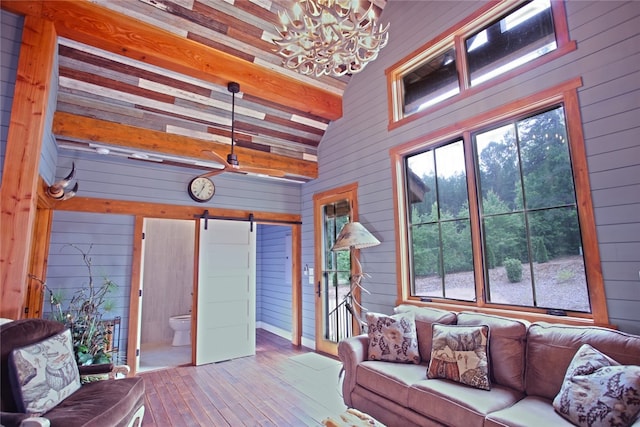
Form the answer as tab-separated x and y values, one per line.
598	391
393	338
459	353
44	374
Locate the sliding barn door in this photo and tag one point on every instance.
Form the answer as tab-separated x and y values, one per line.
226	327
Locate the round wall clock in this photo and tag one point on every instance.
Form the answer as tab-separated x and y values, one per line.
201	189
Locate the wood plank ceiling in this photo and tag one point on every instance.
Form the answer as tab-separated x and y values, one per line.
147	79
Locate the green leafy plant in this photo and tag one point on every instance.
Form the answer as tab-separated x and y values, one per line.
83	316
514	269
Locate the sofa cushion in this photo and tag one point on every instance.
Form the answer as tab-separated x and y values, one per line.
393	338
459	353
507	345
455	404
387	412
391	380
530	411
425	317
44	374
597	388
551	347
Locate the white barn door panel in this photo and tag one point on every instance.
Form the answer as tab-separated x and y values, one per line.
226	327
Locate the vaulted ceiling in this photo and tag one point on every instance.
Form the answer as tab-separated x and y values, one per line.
147	79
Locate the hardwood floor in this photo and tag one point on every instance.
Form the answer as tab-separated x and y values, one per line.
281	385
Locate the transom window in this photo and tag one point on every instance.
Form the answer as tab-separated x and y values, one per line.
491	215
498	40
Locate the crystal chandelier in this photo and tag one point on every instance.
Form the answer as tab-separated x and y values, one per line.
332	37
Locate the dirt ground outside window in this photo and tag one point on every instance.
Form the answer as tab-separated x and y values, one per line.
560	283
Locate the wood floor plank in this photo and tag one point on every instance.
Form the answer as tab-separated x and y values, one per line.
268	389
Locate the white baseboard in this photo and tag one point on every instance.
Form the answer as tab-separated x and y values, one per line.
306	342
274	330
309	343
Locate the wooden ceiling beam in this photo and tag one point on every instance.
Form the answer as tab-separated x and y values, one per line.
75	127
106	29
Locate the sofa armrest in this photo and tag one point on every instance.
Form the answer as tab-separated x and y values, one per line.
103	368
10	419
351	352
103	371
35	422
120	369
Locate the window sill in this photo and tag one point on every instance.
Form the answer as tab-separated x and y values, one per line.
578	320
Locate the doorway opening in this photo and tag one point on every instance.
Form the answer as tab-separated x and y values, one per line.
334	321
278	287
167	284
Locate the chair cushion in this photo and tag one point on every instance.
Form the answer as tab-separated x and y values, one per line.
597	387
20	333
393	338
108	403
459	353
44	374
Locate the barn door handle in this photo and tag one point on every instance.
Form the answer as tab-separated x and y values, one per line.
318	291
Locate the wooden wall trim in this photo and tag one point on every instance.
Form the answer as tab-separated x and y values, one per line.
296	285
106	29
18	195
586	217
133	336
348	192
38	262
160	210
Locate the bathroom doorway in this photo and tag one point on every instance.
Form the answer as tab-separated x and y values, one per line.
278	246
167	285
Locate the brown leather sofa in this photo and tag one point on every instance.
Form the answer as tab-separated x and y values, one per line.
528	363
111	402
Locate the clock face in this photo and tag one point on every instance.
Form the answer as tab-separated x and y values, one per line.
201	189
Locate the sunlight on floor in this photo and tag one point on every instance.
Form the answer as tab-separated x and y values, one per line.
317	376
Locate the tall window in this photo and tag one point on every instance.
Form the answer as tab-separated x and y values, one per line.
532	242
494	218
439	223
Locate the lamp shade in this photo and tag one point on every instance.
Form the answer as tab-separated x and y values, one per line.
354	236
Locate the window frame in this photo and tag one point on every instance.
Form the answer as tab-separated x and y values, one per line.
455	37
566	94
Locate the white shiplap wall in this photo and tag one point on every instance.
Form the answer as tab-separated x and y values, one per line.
356	147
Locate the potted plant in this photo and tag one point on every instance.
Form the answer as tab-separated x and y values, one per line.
83	316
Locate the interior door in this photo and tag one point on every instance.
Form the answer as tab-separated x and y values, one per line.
333	209
226	317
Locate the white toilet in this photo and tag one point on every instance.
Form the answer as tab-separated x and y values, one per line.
181	326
